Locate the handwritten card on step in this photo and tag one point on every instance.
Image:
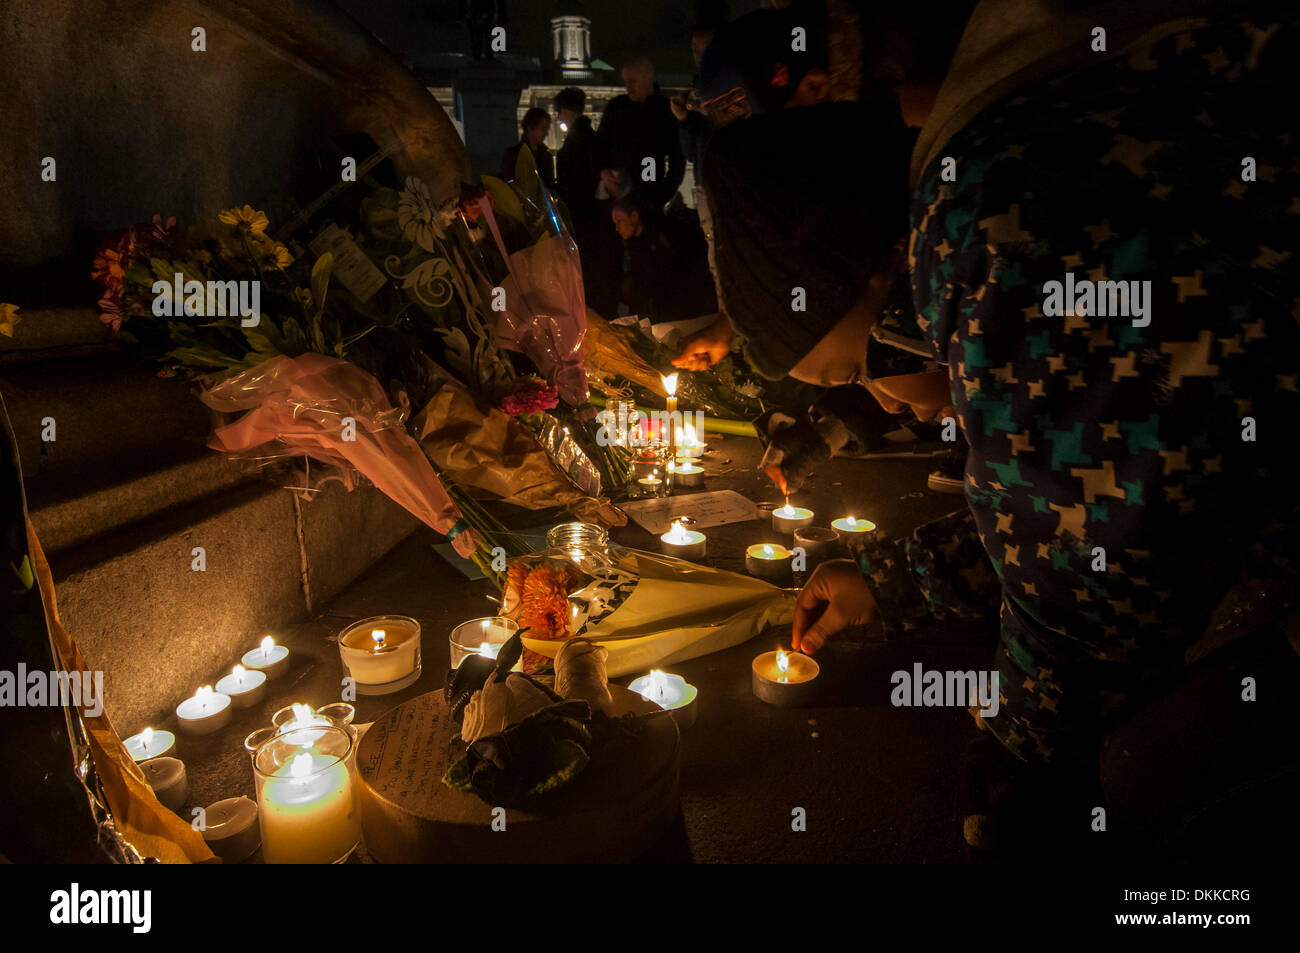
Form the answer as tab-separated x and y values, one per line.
716	508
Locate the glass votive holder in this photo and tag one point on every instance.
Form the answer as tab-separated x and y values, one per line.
382	653
481	637
651	475
586	545
307	798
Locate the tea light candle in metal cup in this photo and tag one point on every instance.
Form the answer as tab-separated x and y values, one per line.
150	744
683	543
854	533
245	688
686	475
481	637
268	658
671	693
786	679
381	653
787	519
230	829
769	561
206	712
818	544
169	782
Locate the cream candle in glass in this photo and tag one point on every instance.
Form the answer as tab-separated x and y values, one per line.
307	798
206	712
268	658
245	688
150	744
671	693
787	519
480	637
682	542
770	561
381	653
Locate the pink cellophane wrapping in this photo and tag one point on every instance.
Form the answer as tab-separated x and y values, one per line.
298	405
545	314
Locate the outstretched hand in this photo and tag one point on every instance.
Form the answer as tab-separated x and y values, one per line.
704	348
835	598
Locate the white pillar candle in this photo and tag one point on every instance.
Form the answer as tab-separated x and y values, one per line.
245	688
206	712
769	561
231	830
268	658
683	543
671	693
150	744
307	804
169	782
787	519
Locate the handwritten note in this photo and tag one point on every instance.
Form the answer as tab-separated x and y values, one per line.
717	508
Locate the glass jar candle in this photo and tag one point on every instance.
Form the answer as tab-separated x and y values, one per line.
382	653
307	799
480	637
586	545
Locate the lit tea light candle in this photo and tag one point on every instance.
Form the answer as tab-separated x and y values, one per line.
817	542
306	723
682	542
481	637
150	744
690	445
768	561
787	519
686	475
671	693
306	799
245	688
206	712
653	480
230	829
382	653
270	659
847	525
169	782
787	679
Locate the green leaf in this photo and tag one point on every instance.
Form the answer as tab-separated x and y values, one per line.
457	777
565	761
320	282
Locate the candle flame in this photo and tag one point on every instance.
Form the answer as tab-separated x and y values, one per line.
691	438
489	649
786	510
670	384
300	766
302	716
851	520
782	665
678	534
378	636
239	672
146	737
656	688
203	692
268	643
768	552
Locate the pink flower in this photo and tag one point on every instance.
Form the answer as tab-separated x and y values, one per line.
530	395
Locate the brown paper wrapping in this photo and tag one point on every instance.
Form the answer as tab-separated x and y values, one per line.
153	830
495	453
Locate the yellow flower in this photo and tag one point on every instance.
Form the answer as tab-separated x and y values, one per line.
283	259
247	217
8	318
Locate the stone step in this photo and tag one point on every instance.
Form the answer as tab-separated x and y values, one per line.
158	628
44	334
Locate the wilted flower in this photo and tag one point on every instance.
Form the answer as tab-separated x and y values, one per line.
162	231
110	311
530	395
8	318
277	256
245	219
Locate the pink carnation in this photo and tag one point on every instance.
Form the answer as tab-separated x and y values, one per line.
530	396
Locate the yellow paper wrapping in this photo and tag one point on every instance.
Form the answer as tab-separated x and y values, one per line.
606	354
679	611
153	830
495	453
